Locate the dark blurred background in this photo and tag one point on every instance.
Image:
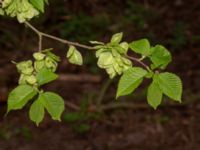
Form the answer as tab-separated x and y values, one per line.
173	23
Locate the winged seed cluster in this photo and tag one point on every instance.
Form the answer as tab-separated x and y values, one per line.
111	56
22	9
30	72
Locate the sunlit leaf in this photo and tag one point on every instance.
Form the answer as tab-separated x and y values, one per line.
130	80
171	85
54	104
19	97
36	112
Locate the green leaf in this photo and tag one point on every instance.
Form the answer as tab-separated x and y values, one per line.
45	76
141	47
116	38
39	4
160	57
36	112
121	48
130	80
154	95
171	85
54	104
125	47
18	98
74	56
53	56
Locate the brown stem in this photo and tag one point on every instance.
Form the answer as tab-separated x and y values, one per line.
40	43
72	106
42	34
138	61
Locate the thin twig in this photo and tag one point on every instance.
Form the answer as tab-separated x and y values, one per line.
138	61
72	105
40	43
42	34
67	42
33	28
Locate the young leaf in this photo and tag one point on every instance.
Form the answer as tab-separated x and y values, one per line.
125	47
54	104
45	76
39	4
36	112
171	85
121	48
116	38
53	56
160	57
130	80
74	56
18	98
154	95
141	47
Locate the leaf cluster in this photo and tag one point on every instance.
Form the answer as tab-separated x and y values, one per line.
163	83
33	76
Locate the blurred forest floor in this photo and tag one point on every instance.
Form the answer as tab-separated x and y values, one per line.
173	23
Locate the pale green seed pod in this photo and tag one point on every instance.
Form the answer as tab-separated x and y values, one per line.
22	79
74	56
20	8
115	53
25	67
31	80
23	64
126	61
117	68
111	59
39	56
5	3
126	67
119	61
28	71
98	52
39	64
124	48
105	59
51	64
111	72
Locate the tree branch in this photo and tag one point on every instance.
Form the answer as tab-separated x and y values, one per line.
138	61
42	34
